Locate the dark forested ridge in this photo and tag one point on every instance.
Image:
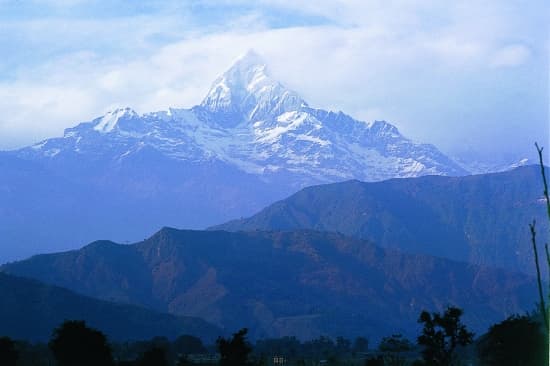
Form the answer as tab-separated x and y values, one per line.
30	310
301	283
482	219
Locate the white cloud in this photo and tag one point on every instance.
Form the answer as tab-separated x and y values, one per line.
510	56
373	61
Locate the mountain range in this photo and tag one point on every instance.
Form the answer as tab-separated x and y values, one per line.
302	283
254	123
249	143
481	219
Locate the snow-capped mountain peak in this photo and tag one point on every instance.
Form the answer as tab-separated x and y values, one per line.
253	123
246	92
109	121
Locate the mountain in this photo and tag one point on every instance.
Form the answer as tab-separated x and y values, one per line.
476	166
249	143
45	208
301	283
252	122
482	219
32	310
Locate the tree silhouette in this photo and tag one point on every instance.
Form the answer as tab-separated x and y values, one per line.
234	351
375	361
156	356
187	344
74	344
517	340
343	346
183	361
441	335
544	310
393	348
8	353
361	344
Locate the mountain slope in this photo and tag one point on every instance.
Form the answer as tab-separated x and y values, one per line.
299	283
31	310
80	200
482	219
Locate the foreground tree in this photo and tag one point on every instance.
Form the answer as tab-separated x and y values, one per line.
441	335
374	361
361	344
156	356
187	344
74	344
183	361
8	353
544	310
517	340
234	351
394	349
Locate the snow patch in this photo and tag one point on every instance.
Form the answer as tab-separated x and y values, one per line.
52	152
40	145
109	121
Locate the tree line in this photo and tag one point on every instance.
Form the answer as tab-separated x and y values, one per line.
444	340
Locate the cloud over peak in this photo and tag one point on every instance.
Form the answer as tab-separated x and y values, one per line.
424	66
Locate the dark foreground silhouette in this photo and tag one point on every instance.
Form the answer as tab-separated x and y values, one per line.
443	341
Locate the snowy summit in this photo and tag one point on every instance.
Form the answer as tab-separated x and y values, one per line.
254	123
246	93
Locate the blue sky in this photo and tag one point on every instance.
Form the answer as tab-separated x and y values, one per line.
471	78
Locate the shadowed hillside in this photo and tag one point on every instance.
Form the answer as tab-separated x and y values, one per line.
300	283
31	310
482	219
